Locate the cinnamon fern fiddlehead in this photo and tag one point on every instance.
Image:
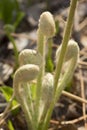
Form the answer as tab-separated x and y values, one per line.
36	90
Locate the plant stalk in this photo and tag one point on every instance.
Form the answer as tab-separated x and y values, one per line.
15	50
41	50
65	40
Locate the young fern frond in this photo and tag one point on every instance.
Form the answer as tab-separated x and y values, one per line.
47	24
71	58
32	66
46	29
29	56
22	78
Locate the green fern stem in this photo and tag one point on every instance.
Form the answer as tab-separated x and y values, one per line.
15	50
65	40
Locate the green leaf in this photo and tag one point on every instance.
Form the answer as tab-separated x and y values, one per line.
49	62
49	65
7	92
68	86
10	125
57	26
8	10
33	90
20	16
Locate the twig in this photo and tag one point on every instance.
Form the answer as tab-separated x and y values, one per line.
74	97
22	35
4	115
84	49
17	35
82	63
83	96
69	122
83	24
83	53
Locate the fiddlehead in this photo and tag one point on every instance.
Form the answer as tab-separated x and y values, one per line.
46	94
45	87
47	24
29	56
70	61
46	29
22	77
71	56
